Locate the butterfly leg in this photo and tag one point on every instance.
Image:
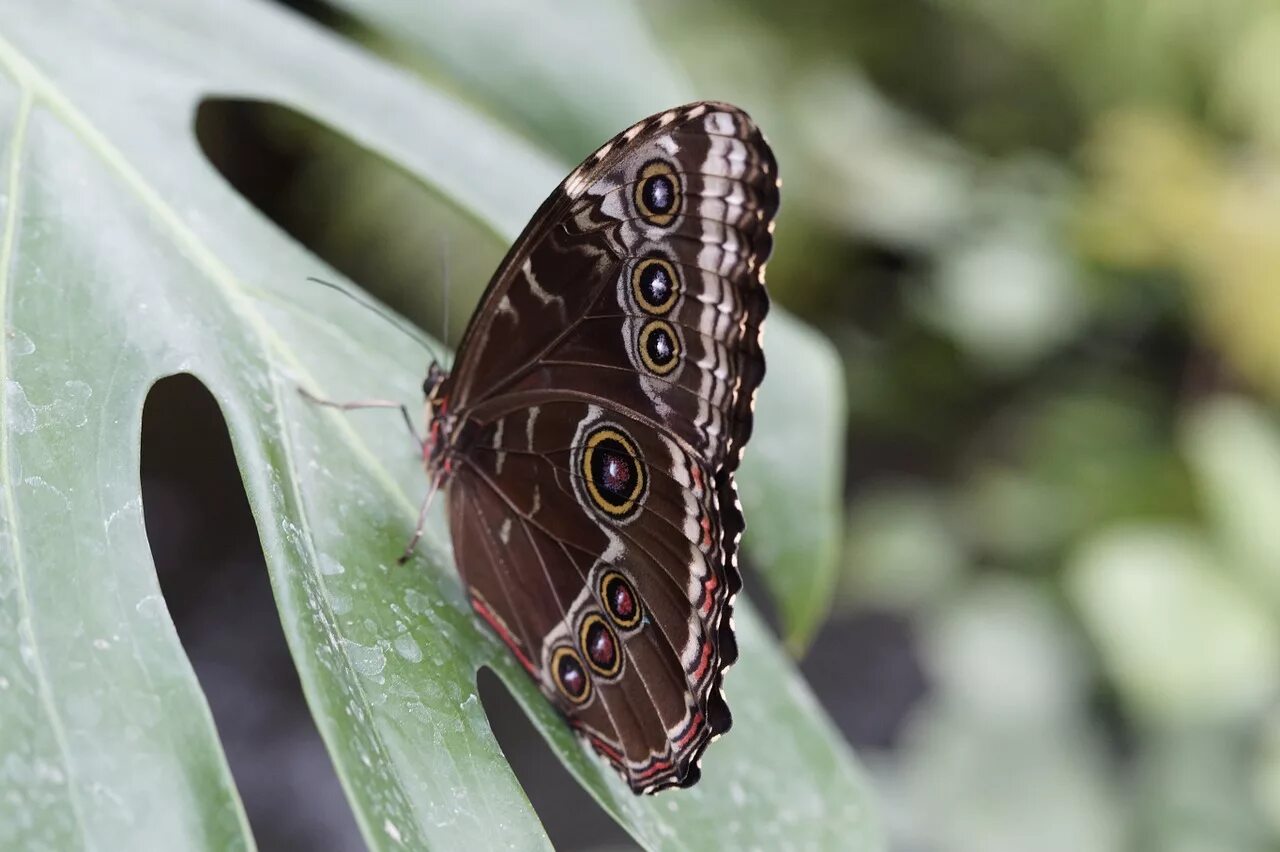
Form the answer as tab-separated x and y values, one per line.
357	404
422	522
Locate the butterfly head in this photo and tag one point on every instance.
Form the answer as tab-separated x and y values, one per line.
435	378
437	403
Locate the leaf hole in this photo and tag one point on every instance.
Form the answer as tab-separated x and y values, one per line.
870	694
373	222
572	819
215	583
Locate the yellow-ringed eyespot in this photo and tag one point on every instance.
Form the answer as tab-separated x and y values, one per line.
620	600
657	194
654	285
659	347
569	675
613	472
600	646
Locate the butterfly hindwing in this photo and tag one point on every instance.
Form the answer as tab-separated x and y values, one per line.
605	533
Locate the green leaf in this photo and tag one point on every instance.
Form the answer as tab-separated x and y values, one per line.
1192	791
571	105
1233	447
794	510
1113	51
125	258
795	507
1001	754
1184	641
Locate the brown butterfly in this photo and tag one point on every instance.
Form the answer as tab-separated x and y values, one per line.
588	434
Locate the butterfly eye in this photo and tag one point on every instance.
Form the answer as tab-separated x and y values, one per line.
657	193
569	675
435	376
654	285
659	347
613	472
600	646
620	600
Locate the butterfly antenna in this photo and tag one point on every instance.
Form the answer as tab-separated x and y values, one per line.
444	276
408	329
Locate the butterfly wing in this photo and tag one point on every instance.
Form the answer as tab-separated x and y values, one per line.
604	571
603	286
618	348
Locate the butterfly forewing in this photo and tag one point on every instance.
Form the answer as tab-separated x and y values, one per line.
602	396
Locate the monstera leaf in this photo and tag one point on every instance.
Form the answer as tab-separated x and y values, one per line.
124	257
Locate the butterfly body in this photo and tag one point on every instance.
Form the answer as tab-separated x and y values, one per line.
588	435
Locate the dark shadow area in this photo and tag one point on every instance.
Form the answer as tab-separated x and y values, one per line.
215	584
324	14
376	224
863	654
571	817
863	665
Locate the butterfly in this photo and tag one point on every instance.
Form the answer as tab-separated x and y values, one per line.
587	437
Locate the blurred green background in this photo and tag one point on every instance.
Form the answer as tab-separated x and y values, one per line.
1045	239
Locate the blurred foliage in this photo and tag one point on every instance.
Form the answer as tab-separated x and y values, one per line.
1046	241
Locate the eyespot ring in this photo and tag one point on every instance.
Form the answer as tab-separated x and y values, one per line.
605	466
600	646
649	279
659	347
619	599
657	194
567	670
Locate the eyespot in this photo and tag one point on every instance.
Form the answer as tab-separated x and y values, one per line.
654	285
620	600
600	646
659	347
569	675
613	472
657	193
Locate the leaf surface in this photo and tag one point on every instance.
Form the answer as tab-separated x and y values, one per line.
125	258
